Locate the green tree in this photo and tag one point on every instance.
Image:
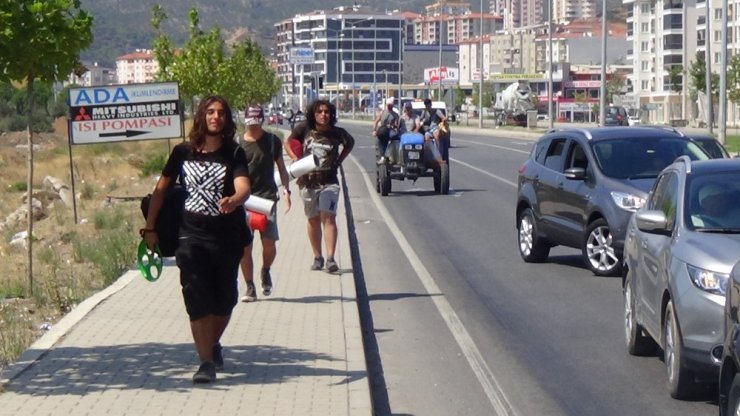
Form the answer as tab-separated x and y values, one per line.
40	40
203	66
487	94
698	76
675	78
614	86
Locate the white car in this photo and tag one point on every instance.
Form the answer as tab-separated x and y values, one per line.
633	120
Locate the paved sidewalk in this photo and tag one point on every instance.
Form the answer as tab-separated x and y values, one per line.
128	350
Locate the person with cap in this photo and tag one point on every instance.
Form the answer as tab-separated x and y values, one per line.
213	233
319	189
385	127
264	151
716	208
431	121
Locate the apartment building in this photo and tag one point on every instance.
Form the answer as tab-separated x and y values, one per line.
95	75
137	67
663	34
453	29
564	11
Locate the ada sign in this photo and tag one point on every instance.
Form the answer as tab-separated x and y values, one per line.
301	55
124	112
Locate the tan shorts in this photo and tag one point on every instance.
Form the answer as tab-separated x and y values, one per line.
322	199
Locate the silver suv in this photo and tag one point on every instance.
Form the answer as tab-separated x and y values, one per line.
679	251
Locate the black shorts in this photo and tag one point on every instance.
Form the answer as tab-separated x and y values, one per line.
209	275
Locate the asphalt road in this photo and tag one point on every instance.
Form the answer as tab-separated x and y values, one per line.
456	323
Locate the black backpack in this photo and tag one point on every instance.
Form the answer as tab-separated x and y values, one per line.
169	218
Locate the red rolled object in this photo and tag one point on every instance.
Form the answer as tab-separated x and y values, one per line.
297	147
256	221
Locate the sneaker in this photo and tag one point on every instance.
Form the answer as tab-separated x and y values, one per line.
206	373
218	356
318	263
266	282
381	160
331	265
251	295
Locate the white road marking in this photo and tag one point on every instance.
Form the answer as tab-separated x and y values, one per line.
494	145
483	373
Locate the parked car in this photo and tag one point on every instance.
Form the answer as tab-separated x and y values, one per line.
679	251
579	187
634	120
729	373
616	115
711	146
275	119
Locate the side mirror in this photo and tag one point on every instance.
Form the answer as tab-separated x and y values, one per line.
651	221
575	173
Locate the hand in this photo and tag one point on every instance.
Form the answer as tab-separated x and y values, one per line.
150	238
227	205
374	133
287	202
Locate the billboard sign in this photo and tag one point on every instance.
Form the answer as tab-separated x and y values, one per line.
449	76
301	55
116	113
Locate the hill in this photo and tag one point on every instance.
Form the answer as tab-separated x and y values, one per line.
121	26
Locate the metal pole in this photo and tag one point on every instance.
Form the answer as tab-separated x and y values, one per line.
439	66
550	114
400	50
723	79
602	93
708	64
353	72
480	85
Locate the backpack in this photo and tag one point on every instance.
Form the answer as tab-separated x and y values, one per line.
169	218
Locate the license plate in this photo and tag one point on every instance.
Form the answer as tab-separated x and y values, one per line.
413	155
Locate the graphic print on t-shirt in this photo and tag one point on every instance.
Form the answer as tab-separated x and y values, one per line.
322	148
205	185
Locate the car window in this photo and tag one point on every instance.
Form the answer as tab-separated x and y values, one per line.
713	148
641	158
711	200
577	157
554	157
540	151
665	197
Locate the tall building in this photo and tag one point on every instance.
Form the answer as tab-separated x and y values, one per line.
564	11
354	48
137	67
453	29
664	34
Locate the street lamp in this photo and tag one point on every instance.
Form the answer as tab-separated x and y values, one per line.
439	66
480	89
550	115
602	93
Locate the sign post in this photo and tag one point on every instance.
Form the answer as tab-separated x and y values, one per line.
301	56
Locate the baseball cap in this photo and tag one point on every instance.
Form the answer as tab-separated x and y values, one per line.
254	115
389	100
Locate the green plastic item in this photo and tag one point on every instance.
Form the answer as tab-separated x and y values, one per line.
148	260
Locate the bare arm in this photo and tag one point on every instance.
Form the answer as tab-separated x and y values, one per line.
285	179
242	190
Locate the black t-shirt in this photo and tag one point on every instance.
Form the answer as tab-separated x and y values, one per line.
261	157
207	178
325	146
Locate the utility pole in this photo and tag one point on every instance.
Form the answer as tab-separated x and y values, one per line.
708	63
439	66
480	80
602	93
723	78
550	114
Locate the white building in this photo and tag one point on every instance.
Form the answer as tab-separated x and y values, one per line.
136	68
564	11
95	75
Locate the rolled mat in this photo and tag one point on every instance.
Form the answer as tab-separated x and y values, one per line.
257	204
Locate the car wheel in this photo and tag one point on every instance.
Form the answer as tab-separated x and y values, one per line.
531	247
638	343
733	399
598	250
680	380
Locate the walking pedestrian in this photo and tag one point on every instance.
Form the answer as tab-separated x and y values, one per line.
319	189
213	169
264	151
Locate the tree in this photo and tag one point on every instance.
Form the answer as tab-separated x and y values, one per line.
614	86
733	80
203	66
675	78
39	40
487	94
697	75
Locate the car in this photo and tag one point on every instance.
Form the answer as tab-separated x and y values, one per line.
729	372
616	115
711	146
543	117
634	120
579	187
275	119
679	251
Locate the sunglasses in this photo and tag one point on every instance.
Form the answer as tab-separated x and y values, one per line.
322	111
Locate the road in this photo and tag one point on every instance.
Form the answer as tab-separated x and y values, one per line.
456	323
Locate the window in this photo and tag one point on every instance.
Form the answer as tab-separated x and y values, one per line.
554	158
577	157
645	65
645	85
645	8
664	197
717	14
717	35
645	27
644	47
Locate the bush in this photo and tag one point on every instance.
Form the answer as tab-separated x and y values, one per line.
153	165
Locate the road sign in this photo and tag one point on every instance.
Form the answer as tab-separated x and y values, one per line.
301	55
449	76
117	113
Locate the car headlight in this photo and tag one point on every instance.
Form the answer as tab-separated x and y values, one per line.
708	281
627	201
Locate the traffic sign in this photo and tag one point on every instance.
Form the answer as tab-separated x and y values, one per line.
125	112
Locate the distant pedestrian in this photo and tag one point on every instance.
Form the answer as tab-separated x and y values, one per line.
264	151
320	188
213	234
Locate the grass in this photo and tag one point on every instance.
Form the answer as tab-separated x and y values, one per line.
71	261
733	144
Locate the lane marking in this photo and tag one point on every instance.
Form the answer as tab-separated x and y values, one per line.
486	378
506	181
493	145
